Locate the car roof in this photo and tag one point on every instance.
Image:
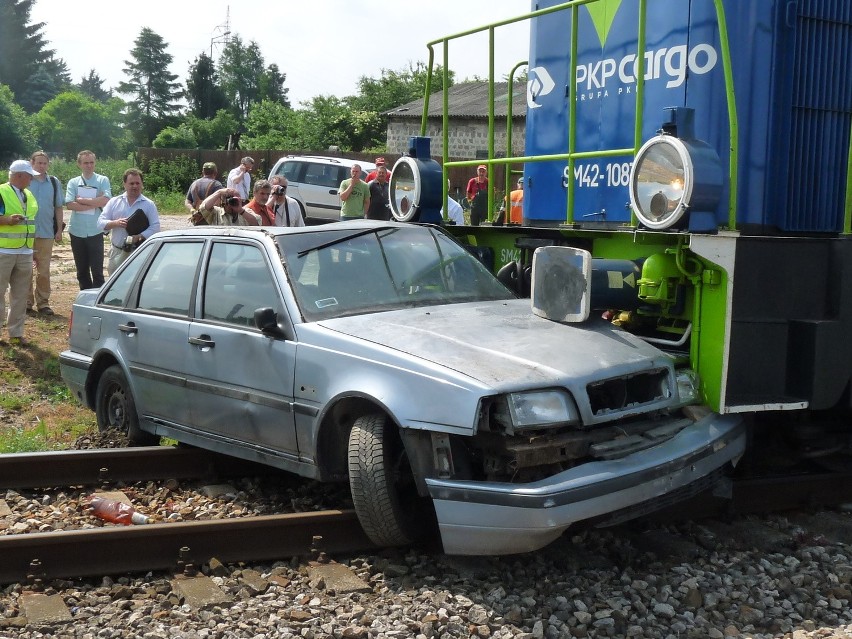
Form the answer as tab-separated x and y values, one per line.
274	231
327	160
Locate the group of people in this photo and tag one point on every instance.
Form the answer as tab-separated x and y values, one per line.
361	197
368	197
211	203
32	207
477	196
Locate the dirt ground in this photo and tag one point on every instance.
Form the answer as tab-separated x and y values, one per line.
34	403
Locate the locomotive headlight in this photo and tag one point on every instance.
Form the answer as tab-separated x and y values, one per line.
416	185
672	177
541	409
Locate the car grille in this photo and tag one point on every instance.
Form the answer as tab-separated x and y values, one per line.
620	393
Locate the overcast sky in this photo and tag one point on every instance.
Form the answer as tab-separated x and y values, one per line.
323	46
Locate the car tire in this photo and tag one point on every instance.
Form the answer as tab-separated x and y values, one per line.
115	408
382	486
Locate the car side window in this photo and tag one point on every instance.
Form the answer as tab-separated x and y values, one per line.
290	170
322	175
169	283
238	283
119	286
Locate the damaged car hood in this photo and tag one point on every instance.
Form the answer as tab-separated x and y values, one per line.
493	342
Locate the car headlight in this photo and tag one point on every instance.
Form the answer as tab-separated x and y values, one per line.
688	387
538	409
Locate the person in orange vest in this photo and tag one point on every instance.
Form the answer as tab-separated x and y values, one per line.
516	205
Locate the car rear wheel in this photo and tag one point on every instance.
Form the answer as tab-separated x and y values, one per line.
115	408
383	489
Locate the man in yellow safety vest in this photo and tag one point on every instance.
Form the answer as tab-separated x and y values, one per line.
18	209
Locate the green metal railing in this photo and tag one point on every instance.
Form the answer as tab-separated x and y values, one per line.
573	155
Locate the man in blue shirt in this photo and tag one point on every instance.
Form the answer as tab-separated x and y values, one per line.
48	192
86	196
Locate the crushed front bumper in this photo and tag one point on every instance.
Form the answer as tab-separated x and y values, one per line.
494	518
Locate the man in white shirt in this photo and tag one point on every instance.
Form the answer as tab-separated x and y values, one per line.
239	178
116	213
287	210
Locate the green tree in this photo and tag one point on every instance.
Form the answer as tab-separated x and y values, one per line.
395	87
72	121
203	92
214	133
23	51
241	70
272	86
271	125
376	96
92	86
16	134
175	137
325	123
154	90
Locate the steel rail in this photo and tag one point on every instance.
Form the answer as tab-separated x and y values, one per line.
93	466
124	549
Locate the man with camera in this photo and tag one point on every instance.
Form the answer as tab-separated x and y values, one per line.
286	209
229	212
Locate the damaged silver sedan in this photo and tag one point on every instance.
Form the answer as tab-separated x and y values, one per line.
385	355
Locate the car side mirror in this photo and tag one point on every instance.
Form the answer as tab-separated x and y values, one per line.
267	321
561	283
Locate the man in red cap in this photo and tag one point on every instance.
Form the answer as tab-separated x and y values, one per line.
372	174
477	195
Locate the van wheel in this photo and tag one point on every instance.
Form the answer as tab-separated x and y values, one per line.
115	408
382	485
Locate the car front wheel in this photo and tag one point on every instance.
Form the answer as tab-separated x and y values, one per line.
115	408
383	489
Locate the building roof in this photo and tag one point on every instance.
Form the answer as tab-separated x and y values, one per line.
468	100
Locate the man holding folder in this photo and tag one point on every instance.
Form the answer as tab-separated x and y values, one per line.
85	196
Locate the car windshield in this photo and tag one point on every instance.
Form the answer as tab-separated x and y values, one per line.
339	272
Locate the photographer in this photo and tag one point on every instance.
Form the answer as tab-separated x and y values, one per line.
229	212
286	209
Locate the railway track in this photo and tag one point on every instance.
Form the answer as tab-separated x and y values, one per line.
34	557
112	465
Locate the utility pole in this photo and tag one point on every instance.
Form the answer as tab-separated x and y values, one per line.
222	32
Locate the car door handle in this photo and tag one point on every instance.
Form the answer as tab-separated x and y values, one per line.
203	340
130	329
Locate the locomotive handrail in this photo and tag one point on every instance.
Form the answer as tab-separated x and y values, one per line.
510	102
572	154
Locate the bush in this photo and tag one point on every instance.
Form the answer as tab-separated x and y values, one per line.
170	175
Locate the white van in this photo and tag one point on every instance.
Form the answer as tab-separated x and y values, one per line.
313	182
